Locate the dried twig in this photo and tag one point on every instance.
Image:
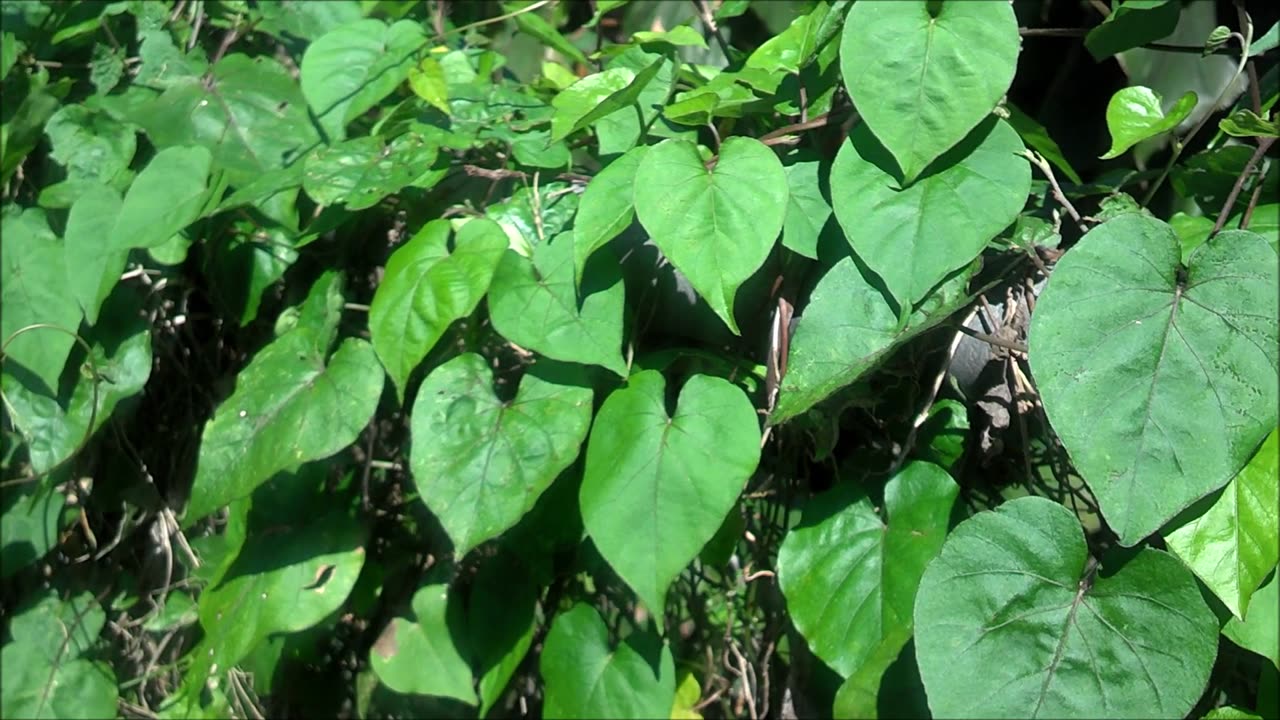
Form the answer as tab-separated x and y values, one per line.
1038	160
1264	144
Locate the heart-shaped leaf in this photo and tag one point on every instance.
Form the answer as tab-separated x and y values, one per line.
480	463
924	73
1160	380
586	677
1011	594
913	237
1235	541
1135	114
606	209
716	226
426	287
419	656
656	488
850	578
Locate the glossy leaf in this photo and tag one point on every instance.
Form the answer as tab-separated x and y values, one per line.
1161	384
293	403
359	173
620	131
915	236
597	96
426	287
923	80
419	655
1011	594
1246	123
481	463
656	487
850	577
47	673
1235	541
587	677
34	290
1259	631
606	209
532	303
428	82
792	49
1130	24
1135	114
346	71
718	226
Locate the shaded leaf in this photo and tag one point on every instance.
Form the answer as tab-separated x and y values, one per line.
419	656
606	209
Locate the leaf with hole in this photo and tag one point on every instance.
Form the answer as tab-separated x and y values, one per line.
1159	378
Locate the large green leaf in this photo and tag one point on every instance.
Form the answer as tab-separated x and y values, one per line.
1135	114
97	263
846	329
426	287
924	74
1160	380
1259	631
46	672
606	209
850	576
420	656
656	488
90	145
249	114
481	463
168	195
290	406
533	304
362	171
1235	541
352	67
586	677
1010	594
34	290
716	226
913	236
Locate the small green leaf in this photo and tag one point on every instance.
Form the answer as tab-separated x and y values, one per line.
923	82
428	82
1134	114
167	196
536	26
598	96
1245	123
718	226
792	49
850	576
807	209
419	655
532	303
1131	24
1159	378
587	677
1036	136
680	36
656	488
1011	594
90	145
1235	540
606	209
620	131
426	288
1259	631
481	463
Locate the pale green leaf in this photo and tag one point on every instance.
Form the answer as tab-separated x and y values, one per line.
1134	114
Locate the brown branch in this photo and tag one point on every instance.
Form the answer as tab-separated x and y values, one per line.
1039	161
992	340
1264	144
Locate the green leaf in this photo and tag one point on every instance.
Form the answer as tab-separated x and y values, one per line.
792	49
481	463
90	145
428	82
656	488
56	424
846	329
360	172
501	619
534	25
1134	114
249	114
33	290
1265	221
46	672
598	96
290	406
923	81
1011	594
426	287
1230	712
351	68
807	209
10	49
106	67
1037	137
167	196
850	577
1269	40
1245	123
620	131
532	303
1259	631
98	263
1235	541
30	520
718	226
915	236
1160	388
587	677
606	209
1131	24
680	36
419	656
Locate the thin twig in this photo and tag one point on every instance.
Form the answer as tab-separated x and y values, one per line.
490	21
1264	144
1039	161
991	340
1082	32
709	20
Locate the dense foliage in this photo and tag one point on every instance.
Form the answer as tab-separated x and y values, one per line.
854	358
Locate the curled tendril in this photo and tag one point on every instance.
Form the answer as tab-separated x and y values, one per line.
93	410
